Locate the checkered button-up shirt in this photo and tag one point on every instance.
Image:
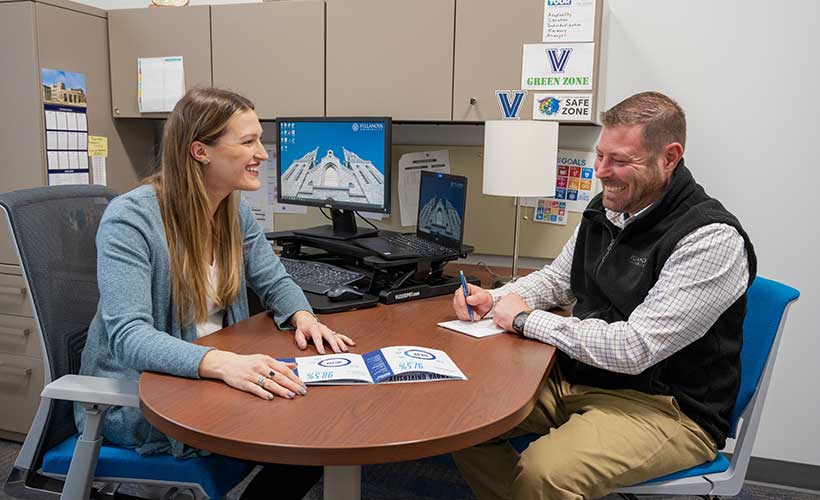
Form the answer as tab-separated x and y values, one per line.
706	273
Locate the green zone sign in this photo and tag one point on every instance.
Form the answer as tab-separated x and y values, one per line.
558	66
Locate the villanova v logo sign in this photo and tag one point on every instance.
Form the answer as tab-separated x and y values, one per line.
510	110
558	62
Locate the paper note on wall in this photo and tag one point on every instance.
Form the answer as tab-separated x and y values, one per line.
98	151
411	165
160	83
260	200
572	21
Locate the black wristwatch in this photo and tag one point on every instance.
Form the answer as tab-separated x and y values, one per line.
519	321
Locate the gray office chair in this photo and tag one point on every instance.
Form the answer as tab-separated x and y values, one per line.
54	231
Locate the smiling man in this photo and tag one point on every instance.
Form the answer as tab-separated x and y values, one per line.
648	364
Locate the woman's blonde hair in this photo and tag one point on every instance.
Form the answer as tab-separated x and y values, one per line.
201	115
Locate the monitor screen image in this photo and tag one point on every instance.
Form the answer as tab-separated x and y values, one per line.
442	198
341	163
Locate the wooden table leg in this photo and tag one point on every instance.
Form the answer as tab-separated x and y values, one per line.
343	482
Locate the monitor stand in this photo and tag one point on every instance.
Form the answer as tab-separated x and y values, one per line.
343	228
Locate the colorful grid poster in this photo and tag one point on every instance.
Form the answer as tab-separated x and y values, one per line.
575	181
551	211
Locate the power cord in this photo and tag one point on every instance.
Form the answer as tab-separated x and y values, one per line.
365	219
487	268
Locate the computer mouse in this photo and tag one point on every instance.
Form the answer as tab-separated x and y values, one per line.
344	292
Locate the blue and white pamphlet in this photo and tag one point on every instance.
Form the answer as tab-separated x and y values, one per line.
386	365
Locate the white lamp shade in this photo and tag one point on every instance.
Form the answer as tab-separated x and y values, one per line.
520	157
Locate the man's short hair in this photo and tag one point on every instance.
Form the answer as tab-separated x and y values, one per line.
662	119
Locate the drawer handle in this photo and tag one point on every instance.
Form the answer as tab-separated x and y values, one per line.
14	370
17	332
13	290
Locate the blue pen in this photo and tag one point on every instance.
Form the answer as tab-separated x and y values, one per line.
466	293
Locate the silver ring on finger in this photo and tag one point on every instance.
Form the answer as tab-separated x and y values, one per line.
261	381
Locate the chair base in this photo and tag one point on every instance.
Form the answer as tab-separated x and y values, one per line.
20	486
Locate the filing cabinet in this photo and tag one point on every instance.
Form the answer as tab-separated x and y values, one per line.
21	364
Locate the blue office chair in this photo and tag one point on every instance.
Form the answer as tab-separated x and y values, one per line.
767	307
54	230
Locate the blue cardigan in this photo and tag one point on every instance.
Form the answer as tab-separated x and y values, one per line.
136	326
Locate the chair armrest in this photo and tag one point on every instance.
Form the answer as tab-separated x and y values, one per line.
94	390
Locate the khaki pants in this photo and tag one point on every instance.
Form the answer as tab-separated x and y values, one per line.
593	441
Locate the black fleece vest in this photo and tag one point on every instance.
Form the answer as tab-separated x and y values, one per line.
614	269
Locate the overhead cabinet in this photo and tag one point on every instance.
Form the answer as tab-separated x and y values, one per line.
161	32
273	53
419	60
390	57
490	35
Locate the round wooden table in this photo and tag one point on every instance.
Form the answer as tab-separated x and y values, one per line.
346	426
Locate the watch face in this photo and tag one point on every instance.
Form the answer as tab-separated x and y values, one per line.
519	321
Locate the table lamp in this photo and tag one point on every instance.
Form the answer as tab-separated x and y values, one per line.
520	158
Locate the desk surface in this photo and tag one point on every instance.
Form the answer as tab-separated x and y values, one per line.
363	424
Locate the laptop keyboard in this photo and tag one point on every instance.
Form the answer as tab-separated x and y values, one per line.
318	277
412	245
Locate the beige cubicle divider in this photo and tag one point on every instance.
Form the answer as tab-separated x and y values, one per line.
488	219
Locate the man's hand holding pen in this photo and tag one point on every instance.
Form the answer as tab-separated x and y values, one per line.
479	299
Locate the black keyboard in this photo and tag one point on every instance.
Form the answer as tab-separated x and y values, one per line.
400	246
318	277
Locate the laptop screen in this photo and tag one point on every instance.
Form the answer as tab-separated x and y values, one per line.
442	198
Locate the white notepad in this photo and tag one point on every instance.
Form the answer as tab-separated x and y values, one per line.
478	329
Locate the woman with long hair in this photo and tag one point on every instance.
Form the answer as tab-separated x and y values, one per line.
174	257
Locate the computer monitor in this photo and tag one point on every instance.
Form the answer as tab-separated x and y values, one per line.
339	163
442	199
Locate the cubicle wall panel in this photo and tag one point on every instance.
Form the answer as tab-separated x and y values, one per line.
135	33
280	62
22	140
77	42
390	57
489	40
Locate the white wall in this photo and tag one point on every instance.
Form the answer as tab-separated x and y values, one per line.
747	74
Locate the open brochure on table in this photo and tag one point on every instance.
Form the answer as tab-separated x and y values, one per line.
385	365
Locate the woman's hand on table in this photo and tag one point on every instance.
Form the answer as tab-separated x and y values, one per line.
257	374
308	329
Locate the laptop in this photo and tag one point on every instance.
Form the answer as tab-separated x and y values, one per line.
440	225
